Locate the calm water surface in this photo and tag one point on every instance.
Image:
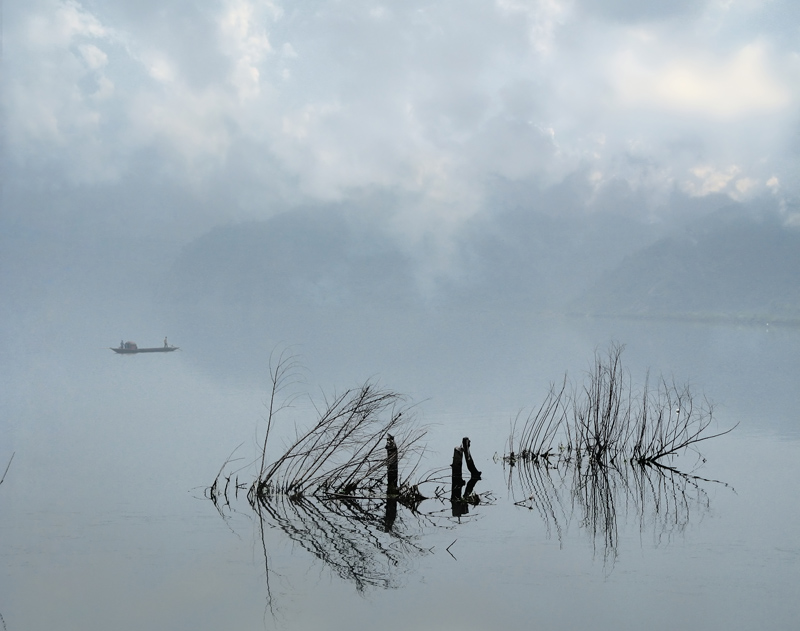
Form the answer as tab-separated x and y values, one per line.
104	523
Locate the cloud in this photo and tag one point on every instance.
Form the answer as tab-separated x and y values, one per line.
245	40
712	88
55	85
266	104
638	11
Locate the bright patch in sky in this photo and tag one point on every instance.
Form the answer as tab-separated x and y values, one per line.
726	88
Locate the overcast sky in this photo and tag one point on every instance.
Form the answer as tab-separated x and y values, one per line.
187	113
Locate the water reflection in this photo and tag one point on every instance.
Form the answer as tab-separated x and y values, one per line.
345	487
369	540
656	497
361	540
461	498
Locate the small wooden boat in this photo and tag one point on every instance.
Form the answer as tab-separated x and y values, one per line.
130	348
133	351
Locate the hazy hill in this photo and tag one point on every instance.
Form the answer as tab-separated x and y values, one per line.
524	258
311	257
732	264
517	258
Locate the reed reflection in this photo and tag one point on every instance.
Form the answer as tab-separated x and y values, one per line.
600	498
349	535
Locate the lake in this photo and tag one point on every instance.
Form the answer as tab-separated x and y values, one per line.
106	525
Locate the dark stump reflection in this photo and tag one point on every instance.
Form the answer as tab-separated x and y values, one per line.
461	501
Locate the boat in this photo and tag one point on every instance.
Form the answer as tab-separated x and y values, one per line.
130	348
133	351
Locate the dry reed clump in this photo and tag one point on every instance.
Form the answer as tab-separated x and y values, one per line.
604	419
335	487
352	449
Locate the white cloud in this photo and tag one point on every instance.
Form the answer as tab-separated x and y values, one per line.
56	24
700	84
245	40
543	18
430	100
95	58
159	67
745	185
56	87
706	179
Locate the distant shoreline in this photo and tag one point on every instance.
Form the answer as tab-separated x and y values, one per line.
700	318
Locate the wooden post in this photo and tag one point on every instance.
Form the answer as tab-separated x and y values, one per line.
391	466
473	470
392	489
457	483
468	497
391	514
457	480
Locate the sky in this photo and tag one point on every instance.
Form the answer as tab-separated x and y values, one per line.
169	117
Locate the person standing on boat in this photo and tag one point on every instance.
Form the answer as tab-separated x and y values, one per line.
165	343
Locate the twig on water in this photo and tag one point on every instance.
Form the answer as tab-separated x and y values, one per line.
448	549
7	467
